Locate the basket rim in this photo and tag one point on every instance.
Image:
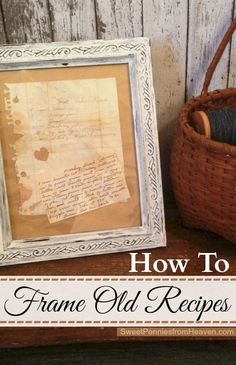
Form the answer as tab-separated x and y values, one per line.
192	135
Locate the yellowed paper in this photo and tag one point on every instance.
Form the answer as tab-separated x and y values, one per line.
82	188
59	125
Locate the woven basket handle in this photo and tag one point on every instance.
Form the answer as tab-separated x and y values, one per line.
217	57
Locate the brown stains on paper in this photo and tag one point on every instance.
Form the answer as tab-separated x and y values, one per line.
15	99
42	154
58	125
24	193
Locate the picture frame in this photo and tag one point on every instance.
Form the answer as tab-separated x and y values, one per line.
45	89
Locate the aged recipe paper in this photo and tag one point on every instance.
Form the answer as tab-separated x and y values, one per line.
83	188
68	150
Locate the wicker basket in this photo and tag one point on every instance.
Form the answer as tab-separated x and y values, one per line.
204	171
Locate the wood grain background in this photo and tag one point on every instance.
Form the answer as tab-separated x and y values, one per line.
184	36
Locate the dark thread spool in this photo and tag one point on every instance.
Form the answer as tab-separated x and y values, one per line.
219	125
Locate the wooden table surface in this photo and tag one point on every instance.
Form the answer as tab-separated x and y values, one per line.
182	243
151	353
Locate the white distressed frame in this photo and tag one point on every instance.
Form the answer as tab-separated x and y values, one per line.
136	53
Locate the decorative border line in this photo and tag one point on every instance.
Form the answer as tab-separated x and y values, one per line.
104	278
117	322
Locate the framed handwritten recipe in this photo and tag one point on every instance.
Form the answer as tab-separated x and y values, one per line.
80	171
